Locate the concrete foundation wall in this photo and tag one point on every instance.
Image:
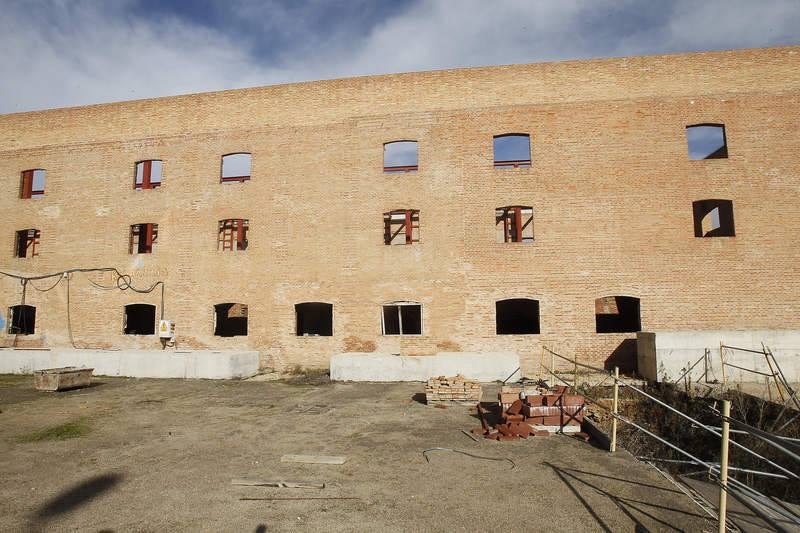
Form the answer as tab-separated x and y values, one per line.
388	367
135	363
666	355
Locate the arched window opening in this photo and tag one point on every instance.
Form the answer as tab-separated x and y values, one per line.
230	320
514	223
32	183
713	218
706	141
517	316
21	320
401	318
512	150
235	167
401	226
140	319
148	174
617	314
314	319
400	156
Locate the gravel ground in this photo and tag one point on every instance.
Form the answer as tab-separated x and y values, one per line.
159	455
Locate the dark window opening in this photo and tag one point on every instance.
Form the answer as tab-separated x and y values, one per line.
512	150
402	318
230	320
143	238
713	218
21	319
517	316
148	174
26	243
617	314
232	235
314	319
707	141
140	319
514	223
401	226
400	156
32	183
235	167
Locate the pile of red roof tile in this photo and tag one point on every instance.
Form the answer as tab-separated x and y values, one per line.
540	412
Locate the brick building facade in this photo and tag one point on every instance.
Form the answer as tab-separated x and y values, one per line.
610	183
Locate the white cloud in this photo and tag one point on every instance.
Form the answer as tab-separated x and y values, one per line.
70	53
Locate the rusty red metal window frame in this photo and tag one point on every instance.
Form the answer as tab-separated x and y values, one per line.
143	238
26	242
232	235
401	226
235	177
390	166
28	182
501	161
516	221
144	176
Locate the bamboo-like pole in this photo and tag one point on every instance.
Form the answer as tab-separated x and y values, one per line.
615	411
723	465
722	362
575	377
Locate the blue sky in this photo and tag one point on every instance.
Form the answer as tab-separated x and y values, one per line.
72	52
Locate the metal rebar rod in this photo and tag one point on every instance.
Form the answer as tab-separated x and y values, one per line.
709	429
690	419
750	370
764	436
723	469
742	349
733	483
575	362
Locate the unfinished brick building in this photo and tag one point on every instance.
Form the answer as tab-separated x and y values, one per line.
561	204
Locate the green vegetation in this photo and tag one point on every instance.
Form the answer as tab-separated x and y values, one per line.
69	430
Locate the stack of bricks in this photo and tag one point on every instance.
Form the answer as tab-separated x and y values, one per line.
452	389
540	413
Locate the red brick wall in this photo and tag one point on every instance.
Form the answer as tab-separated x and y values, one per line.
611	186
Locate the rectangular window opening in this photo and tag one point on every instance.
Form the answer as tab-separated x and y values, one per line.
314	319
232	234
514	224
26	243
21	320
32	184
140	319
401	227
402	318
143	238
148	174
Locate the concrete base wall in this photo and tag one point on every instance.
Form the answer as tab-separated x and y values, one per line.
495	366
665	355
134	363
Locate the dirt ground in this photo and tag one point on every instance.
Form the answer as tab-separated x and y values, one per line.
159	455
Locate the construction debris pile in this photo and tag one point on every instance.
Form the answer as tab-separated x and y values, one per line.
538	412
452	389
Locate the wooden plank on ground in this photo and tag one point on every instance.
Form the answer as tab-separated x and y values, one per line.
314	459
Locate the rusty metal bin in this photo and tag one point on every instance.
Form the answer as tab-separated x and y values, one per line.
56	379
